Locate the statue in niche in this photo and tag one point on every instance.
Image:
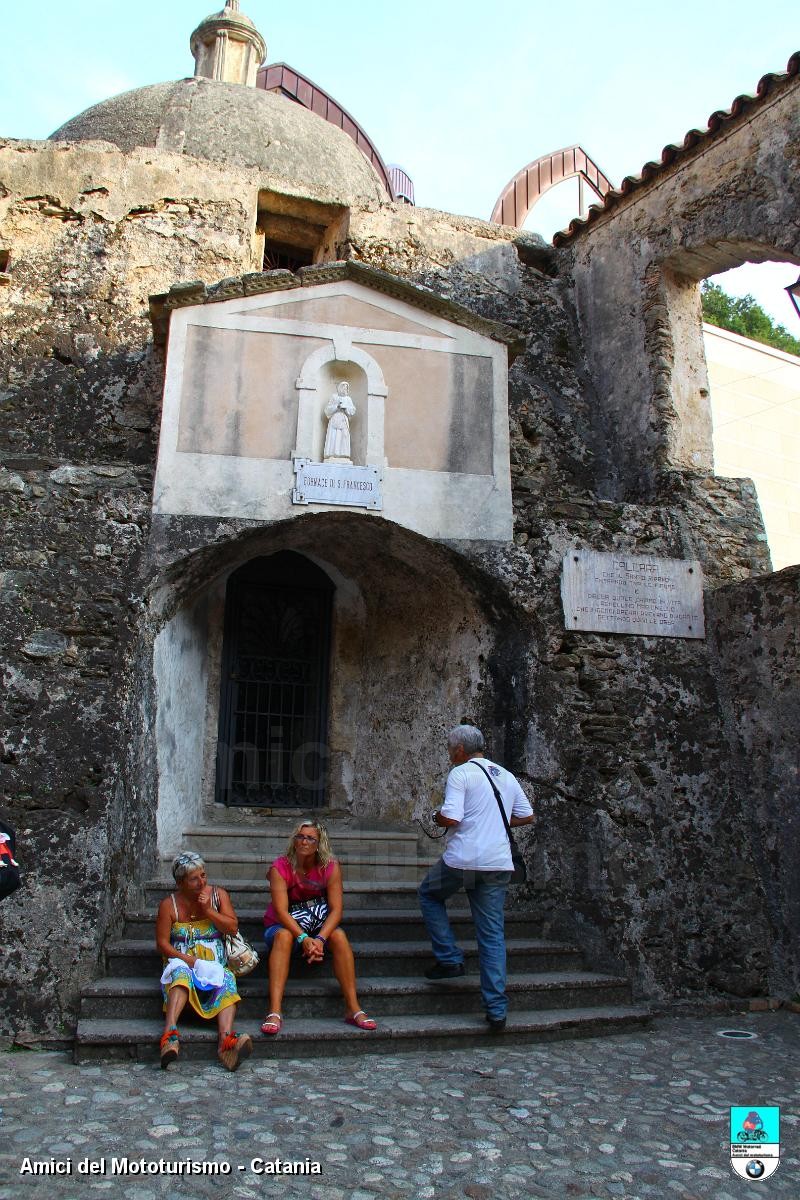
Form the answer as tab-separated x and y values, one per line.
339	409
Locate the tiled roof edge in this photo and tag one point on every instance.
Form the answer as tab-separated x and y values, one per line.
183	295
671	153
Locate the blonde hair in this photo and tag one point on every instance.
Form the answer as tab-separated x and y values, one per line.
324	852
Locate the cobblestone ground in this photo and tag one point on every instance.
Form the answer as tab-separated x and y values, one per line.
641	1115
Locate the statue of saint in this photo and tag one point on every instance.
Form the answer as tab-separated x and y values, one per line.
339	409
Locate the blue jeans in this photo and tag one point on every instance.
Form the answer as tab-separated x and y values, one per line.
486	892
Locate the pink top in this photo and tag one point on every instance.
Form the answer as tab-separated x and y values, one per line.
300	887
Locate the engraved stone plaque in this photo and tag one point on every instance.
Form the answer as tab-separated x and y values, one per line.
632	593
334	483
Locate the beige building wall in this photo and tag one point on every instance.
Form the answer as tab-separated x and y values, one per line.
755	410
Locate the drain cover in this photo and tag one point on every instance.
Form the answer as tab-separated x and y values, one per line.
736	1033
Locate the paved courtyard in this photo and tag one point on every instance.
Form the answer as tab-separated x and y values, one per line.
640	1115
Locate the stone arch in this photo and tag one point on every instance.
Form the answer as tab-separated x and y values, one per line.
529	184
674	335
312	395
420	639
726	196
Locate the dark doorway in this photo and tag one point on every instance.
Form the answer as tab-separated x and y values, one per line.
273	719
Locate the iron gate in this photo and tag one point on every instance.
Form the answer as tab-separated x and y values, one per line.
273	707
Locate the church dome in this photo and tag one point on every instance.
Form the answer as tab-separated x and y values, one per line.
240	126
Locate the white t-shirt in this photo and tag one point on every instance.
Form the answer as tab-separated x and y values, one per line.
480	842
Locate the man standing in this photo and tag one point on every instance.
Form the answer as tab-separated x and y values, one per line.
477	857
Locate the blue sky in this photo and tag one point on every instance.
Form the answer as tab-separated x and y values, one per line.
461	94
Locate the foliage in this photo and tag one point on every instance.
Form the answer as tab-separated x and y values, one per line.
743	316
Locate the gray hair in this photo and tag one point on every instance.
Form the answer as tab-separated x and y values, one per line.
184	863
467	736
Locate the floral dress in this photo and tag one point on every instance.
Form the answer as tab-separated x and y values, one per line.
201	939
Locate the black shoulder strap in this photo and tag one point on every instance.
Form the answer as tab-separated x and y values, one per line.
497	798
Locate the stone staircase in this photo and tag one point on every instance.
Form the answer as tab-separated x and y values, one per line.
551	993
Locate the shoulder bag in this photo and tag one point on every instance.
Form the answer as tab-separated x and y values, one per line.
520	871
240	956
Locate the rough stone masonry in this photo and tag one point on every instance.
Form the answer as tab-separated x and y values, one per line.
665	770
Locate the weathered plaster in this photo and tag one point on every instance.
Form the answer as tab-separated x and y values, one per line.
180	670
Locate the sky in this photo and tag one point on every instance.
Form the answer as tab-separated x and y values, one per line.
461	94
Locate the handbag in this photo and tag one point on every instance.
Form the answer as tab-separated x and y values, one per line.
519	873
240	957
310	915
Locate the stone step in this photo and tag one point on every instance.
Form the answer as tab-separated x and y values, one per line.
310	996
384	925
312	1037
363	866
282	821
249	893
211	841
132	957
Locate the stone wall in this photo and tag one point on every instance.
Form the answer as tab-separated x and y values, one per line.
620	744
92	234
754	628
70	620
618	737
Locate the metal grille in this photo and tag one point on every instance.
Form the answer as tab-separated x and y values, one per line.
272	719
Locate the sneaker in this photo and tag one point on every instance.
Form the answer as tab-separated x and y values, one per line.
442	970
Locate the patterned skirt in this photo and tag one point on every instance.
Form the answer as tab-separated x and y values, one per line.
203	940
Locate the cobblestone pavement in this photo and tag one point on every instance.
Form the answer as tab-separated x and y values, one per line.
639	1115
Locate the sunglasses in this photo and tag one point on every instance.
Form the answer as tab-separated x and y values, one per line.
303	837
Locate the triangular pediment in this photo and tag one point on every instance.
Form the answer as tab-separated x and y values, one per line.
342	309
347	294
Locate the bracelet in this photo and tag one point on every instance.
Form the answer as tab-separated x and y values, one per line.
320	938
301	937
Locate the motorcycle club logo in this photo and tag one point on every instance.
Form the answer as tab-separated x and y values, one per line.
755	1141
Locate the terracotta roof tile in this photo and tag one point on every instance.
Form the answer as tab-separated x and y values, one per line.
670	154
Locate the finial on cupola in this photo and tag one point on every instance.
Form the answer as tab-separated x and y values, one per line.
228	47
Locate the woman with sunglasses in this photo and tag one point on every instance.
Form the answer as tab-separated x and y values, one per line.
303	918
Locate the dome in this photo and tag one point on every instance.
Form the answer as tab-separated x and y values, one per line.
236	125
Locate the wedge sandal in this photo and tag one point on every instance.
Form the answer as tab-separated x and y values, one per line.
234	1049
170	1047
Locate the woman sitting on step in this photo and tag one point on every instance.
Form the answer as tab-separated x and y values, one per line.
190	930
303	917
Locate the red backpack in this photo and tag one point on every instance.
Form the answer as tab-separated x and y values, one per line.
9	867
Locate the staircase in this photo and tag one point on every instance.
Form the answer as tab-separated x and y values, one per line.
551	994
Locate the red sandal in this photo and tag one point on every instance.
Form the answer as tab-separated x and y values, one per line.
272	1024
361	1021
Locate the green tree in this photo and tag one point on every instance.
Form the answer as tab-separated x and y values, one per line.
741	314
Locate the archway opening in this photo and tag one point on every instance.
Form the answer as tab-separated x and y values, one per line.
714	380
751	344
274	684
418	641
